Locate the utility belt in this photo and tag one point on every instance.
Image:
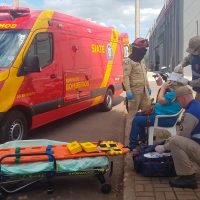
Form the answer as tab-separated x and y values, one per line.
133	85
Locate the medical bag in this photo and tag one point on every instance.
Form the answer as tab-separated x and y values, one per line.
152	164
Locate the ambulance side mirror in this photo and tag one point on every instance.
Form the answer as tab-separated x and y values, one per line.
29	65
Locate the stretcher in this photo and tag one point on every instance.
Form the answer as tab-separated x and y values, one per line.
16	170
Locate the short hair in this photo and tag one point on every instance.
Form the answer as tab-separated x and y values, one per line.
183	90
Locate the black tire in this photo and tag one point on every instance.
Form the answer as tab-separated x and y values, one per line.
106	188
108	101
50	190
13	127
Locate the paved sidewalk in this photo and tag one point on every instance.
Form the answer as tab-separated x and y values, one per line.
137	187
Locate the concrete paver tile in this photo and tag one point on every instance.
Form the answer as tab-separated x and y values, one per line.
144	194
139	188
170	196
148	187
145	198
163	189
160	185
160	196
187	197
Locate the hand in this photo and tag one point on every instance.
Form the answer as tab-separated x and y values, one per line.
149	91
184	81
160	149
129	95
178	69
167	84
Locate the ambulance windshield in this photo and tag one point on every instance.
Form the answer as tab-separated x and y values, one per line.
10	43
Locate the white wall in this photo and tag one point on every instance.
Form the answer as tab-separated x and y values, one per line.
191	14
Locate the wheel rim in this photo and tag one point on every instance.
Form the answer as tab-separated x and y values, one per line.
109	101
16	130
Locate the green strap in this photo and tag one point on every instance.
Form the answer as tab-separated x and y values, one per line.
17	159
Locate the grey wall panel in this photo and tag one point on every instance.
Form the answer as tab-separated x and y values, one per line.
191	10
167	37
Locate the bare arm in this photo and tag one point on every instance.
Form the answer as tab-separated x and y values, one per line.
186	61
161	99
195	83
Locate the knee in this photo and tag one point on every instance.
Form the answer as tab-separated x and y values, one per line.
136	120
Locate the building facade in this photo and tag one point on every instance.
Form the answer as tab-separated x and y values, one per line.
179	20
191	18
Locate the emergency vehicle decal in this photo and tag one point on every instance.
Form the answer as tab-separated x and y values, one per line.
97	48
28	94
74	83
6	26
109	52
13	83
113	44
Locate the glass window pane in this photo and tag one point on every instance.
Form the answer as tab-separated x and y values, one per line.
44	48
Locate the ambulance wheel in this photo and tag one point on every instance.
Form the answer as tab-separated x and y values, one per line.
106	188
14	126
108	101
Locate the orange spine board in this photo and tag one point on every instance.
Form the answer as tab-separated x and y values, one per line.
60	152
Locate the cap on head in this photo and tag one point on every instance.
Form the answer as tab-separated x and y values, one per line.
183	90
140	43
194	45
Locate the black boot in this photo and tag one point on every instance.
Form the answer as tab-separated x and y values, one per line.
184	182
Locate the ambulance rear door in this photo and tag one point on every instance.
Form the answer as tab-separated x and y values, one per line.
76	71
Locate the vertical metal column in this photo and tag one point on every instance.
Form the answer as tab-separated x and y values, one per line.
137	18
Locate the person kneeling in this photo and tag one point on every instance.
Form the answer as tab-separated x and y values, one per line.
185	147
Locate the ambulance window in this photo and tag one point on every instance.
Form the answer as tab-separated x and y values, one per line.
11	41
42	46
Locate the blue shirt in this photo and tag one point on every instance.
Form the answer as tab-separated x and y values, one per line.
194	109
170	108
196	70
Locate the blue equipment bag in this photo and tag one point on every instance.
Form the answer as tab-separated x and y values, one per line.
152	164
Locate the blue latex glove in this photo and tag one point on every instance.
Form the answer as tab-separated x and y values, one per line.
149	91
129	95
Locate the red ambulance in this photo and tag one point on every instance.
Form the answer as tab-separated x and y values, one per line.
53	65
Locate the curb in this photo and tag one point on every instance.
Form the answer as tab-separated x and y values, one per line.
128	179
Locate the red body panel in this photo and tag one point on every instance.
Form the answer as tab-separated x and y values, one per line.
79	72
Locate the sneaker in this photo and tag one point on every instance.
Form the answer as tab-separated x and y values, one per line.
128	147
143	143
135	152
184	182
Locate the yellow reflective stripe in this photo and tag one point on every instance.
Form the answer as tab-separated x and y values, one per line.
113	42
13	83
4	75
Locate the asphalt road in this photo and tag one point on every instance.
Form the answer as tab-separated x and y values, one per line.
89	125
